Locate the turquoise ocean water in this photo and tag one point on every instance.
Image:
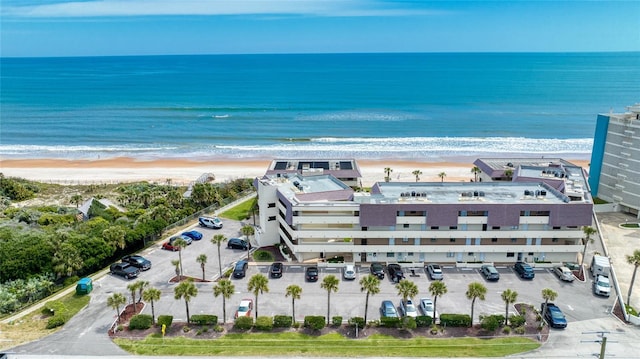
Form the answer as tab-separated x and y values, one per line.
366	106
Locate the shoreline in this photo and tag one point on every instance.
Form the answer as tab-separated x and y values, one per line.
185	171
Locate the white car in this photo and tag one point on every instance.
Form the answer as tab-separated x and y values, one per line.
349	272
408	308
426	305
244	309
564	273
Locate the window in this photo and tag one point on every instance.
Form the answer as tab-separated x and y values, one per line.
510	254
405	239
514	227
271	205
364	228
271	218
477	213
554	240
450	254
435	227
390	255
494	240
434	239
496	227
514	240
356	213
470	254
453	227
556	227
410	254
406	225
530	253
452	240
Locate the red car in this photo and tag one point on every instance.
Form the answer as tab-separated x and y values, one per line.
244	309
168	246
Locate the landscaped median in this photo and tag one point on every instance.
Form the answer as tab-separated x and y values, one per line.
329	345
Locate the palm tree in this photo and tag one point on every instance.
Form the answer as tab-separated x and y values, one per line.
407	289
476	171
417	173
330	284
226	289
133	288
151	295
176	265
217	240
258	284
437	289
202	259
387	173
115	301
371	285
186	290
548	294
509	174
142	285
475	290
508	296
588	232
66	260
293	291
634	260
442	175
115	236
247	231
76	199
180	243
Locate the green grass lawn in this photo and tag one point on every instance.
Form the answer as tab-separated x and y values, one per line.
240	212
330	345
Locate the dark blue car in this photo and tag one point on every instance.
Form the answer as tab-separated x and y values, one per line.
554	316
195	235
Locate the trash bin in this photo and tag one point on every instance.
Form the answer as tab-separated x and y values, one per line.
84	286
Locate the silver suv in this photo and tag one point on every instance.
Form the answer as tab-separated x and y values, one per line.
434	271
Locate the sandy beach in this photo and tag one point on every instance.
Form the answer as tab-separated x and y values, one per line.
118	170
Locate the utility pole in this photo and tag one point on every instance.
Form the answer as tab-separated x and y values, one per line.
603	341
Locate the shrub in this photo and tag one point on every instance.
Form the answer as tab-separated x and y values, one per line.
520	330
263	256
71	281
315	322
409	323
423	321
165	319
186	329
491	322
390	322
141	321
517	320
56	321
359	321
455	320
336	321
264	323
204	319
282	321
54	307
243	323
506	330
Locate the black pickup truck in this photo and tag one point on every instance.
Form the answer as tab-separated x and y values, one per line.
125	270
137	261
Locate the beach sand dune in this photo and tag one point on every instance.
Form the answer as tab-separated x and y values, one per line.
178	171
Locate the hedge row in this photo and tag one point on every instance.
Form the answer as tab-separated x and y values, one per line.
204	319
141	321
455	320
315	322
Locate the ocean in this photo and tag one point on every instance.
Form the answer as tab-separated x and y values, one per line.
422	106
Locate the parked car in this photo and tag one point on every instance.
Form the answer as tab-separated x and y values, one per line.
184	238
237	243
602	286
554	316
395	272
388	310
564	273
524	270
245	308
138	262
169	246
240	270
426	305
125	270
377	269
311	274
349	272
408	309
275	271
434	271
490	272
195	235
210	222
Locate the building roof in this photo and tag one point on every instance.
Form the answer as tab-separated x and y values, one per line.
301	188
339	168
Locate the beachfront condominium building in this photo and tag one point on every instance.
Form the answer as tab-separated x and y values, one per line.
615	160
529	218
